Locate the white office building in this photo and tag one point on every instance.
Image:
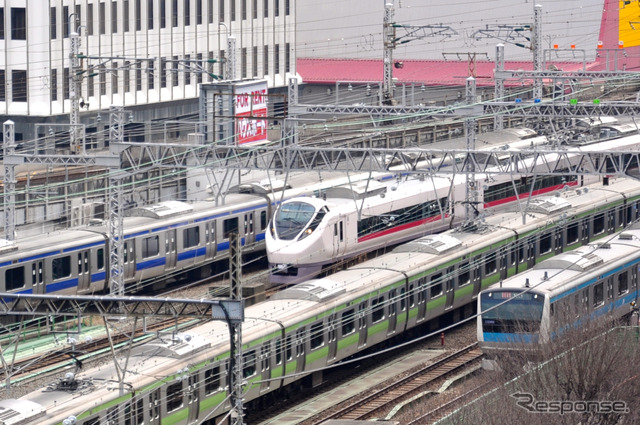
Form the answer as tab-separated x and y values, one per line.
146	55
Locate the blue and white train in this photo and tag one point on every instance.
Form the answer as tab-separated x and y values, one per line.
565	291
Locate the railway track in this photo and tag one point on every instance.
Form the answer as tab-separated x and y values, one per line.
448	407
382	399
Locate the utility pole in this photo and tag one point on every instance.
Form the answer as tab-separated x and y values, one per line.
76	140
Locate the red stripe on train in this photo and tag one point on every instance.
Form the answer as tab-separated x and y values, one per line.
400	228
526	195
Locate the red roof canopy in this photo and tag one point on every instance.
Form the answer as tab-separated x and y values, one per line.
427	72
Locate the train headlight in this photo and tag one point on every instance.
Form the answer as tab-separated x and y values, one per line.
306	233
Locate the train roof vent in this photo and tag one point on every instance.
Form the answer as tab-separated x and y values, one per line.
7	246
18	412
175	347
357	190
626	236
574	260
161	210
548	205
314	290
432	244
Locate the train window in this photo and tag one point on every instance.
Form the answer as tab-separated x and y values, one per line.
191	237
150	247
598	294
572	234
623	283
348	322
93	421
14	278
317	336
127	413
139	413
61	267
598	224
436	285
377	309
154	404
412	302
211	380
263	220
464	277
228	226
490	265
112	416
174	396
100	258
545	244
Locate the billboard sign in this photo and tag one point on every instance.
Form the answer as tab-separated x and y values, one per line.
250	101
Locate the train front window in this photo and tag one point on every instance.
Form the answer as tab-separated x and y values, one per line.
293	218
515	312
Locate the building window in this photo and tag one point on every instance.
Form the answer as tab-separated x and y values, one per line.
198	12
138	76
276	59
221	11
287	7
150	75
126	76
287	57
65	83
254	10
233	10
265	60
3	90
163	14
243	62
125	17
199	74
90	83
90	19
138	15
163	72
65	21
54	84
19	82
254	61
114	17
210	11
103	80
244	9
187	66
101	18
174	13
1	23
150	14
276	7
114	78
265	5
18	23
187	13
53	25
174	72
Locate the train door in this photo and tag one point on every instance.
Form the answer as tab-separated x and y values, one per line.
210	239
332	338
584	231
531	252
476	277
84	270
170	248
362	324
558	240
37	277
193	397
249	231
393	312
300	350
265	367
129	259
449	287
338	237
611	221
